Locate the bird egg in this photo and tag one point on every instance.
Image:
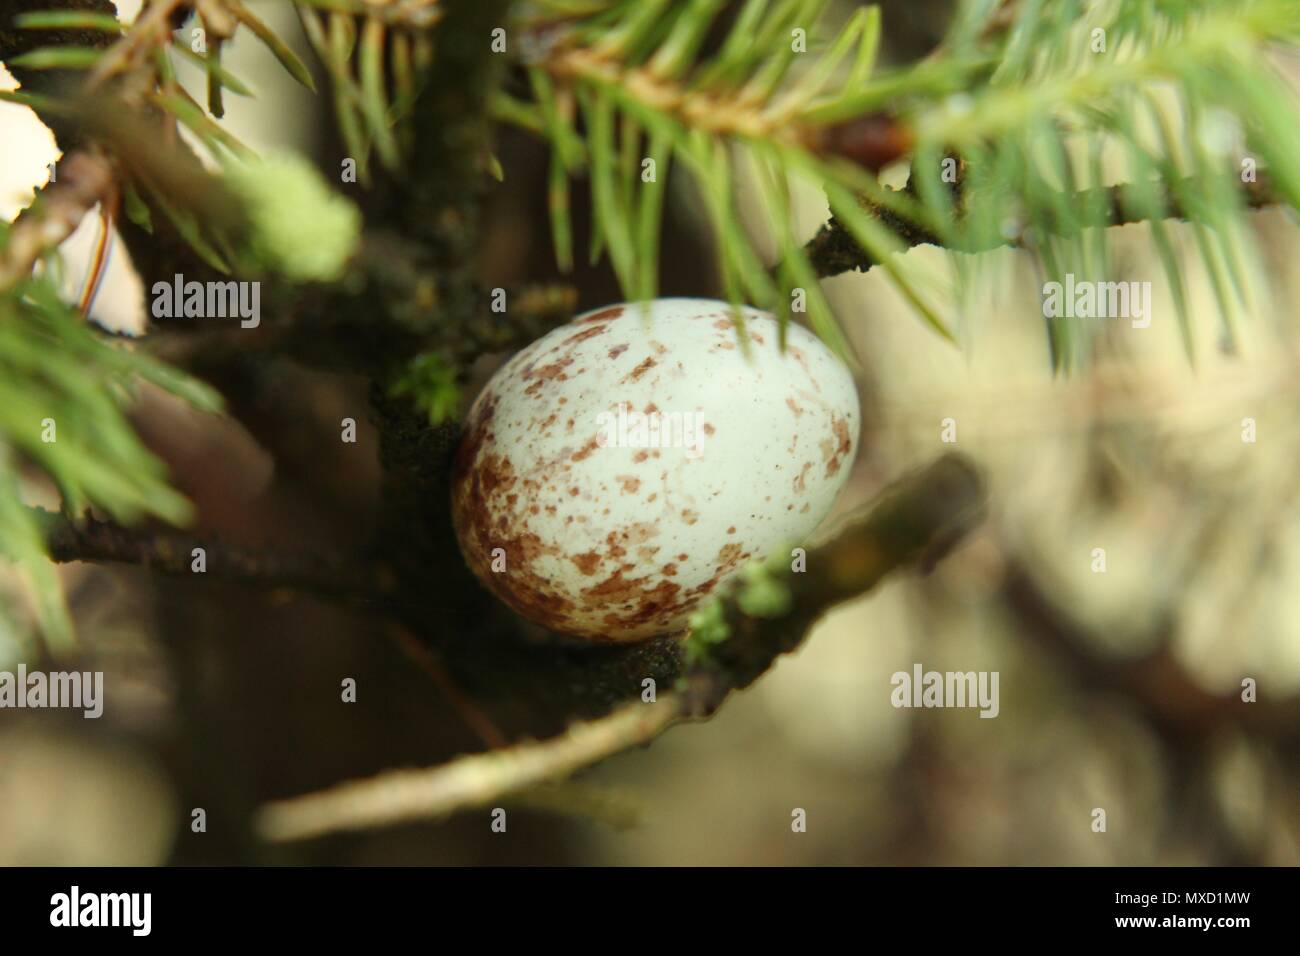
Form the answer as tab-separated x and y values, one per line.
618	470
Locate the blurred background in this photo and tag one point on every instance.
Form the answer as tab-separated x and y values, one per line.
1120	689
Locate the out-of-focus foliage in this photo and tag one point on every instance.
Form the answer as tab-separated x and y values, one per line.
64	393
1042	104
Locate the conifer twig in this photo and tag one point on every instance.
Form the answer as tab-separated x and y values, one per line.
833	250
149	27
85	179
171	552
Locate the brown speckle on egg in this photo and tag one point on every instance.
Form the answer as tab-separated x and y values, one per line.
586	334
611	313
645	365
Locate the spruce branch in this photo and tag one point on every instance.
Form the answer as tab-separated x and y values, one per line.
1017	92
376	54
86	178
167	191
333	328
915	521
172	552
151	28
833	250
648	99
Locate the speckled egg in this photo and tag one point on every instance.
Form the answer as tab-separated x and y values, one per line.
620	468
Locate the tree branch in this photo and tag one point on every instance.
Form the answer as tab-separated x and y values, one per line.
1156	683
403	795
833	249
143	142
915	521
172	552
331	328
86	179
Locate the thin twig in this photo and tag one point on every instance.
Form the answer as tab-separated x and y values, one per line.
310	328
402	795
151	26
171	552
85	179
470	712
833	250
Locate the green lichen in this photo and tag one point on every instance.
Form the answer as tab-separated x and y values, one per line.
709	628
298	227
430	381
762	591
